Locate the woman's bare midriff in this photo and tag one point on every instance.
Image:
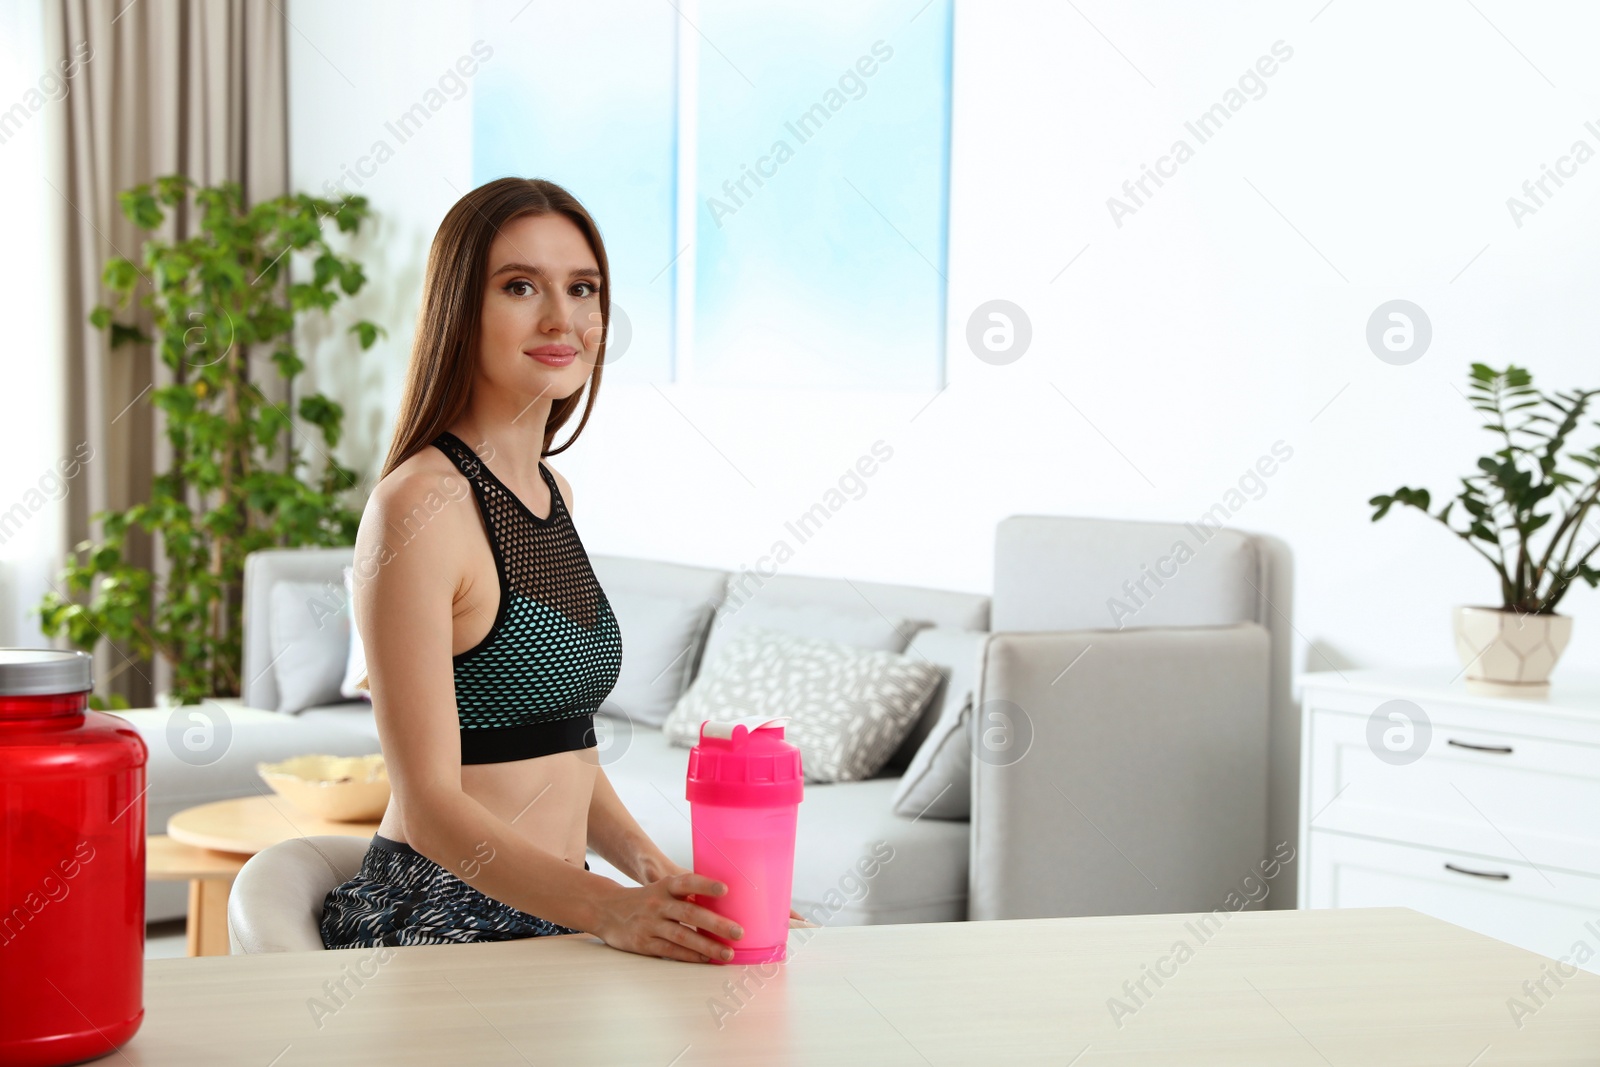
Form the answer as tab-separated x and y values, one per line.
544	799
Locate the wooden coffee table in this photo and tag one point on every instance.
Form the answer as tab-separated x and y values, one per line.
206	845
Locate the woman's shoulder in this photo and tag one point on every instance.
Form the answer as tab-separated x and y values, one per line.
426	472
425	487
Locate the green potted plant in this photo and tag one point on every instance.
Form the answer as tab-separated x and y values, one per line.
240	478
1528	518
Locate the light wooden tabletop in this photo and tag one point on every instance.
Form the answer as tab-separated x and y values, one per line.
1369	986
167	860
248	825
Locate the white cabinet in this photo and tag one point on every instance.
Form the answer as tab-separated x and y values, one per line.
1475	807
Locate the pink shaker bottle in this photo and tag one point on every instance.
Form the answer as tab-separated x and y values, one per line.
744	790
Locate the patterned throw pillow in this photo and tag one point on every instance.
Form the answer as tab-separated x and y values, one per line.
849	708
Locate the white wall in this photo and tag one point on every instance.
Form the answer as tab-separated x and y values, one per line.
39	464
1225	315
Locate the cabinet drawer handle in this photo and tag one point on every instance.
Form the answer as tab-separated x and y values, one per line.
1499	876
1504	750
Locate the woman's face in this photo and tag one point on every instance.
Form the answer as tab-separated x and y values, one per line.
542	297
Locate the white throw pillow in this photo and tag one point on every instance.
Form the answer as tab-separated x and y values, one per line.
661	639
848	708
308	636
355	667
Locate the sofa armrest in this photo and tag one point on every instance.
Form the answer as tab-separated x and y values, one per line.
1118	771
262	569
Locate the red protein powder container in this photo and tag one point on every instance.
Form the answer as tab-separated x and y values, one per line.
72	856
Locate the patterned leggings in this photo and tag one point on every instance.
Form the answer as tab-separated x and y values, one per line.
400	897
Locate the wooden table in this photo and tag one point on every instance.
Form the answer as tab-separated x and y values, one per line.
1285	988
206	846
210	876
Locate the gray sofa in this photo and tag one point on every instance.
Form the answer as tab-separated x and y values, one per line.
1145	767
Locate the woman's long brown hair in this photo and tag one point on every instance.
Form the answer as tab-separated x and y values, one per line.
439	379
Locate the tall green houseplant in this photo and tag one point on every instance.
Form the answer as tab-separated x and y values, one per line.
241	478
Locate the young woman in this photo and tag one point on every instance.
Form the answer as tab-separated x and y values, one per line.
489	642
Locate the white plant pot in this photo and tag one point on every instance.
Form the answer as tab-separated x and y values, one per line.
1510	647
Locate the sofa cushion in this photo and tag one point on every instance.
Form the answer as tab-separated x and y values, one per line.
264	569
856	863
1058	573
310	642
848	708
352	716
938	784
660	638
861	626
955	652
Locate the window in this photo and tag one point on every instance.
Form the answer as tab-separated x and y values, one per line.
771	180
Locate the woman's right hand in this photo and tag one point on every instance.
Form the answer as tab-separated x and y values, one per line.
650	919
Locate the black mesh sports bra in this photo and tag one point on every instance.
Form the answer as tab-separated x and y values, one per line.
532	685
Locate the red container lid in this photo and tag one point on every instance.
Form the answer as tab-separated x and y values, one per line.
745	763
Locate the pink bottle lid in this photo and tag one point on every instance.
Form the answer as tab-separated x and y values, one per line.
745	763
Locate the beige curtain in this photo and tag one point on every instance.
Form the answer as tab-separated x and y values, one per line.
196	87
